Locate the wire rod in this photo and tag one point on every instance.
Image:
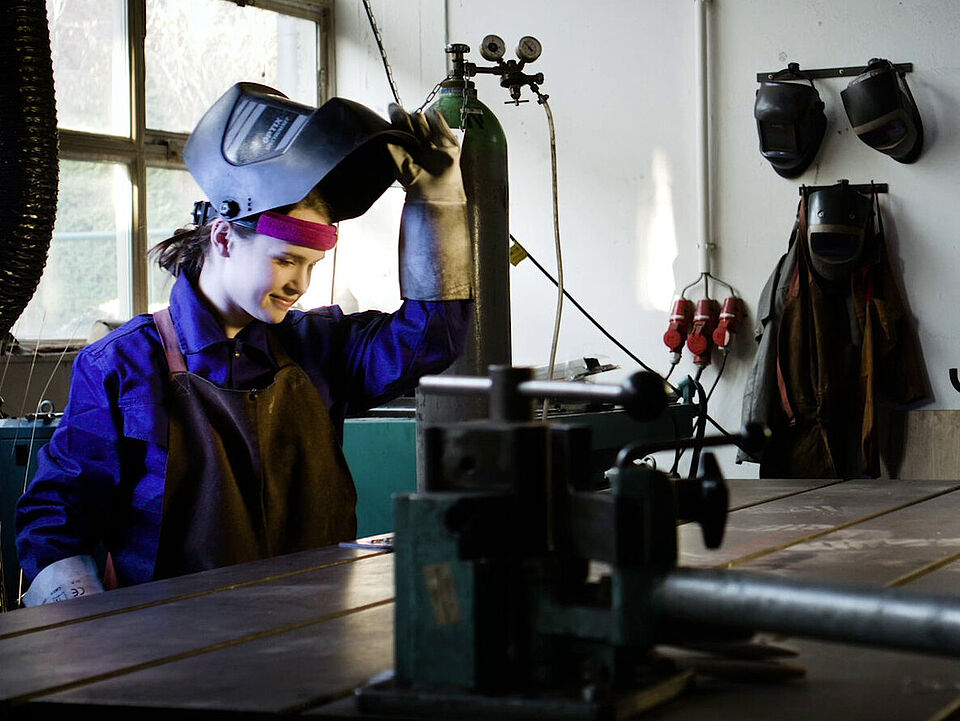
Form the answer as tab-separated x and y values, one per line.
723	364
5	350
556	237
33	364
706	277
587	315
691	285
383	52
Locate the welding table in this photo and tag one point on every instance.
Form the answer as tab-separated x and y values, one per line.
295	635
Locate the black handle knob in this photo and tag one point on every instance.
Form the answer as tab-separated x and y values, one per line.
644	396
229	208
704	500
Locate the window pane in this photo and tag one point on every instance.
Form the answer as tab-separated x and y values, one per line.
170	198
197	49
88	40
88	260
367	266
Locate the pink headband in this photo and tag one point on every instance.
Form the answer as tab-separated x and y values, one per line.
299	232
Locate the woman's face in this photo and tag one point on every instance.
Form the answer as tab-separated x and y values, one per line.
263	277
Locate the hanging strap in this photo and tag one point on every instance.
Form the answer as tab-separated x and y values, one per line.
168	338
798	236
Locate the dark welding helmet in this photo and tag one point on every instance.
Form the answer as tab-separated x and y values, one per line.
838	219
883	113
255	150
790	122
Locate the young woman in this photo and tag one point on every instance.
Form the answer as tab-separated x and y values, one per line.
209	433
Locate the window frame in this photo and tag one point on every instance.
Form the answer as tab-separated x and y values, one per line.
146	148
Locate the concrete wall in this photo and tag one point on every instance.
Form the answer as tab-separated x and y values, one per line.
621	81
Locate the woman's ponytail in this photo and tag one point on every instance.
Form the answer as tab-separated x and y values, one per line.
184	251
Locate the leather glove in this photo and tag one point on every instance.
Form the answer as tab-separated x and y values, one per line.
436	255
64	579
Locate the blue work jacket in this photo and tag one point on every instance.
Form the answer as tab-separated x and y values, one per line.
100	478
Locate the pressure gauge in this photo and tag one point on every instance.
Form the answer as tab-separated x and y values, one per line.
528	49
492	47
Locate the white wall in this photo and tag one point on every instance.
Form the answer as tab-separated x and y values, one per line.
620	76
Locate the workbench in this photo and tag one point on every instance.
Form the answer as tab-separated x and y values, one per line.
295	635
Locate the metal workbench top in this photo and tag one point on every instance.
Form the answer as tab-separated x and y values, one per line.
296	635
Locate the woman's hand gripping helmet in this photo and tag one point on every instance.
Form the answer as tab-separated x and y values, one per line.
255	150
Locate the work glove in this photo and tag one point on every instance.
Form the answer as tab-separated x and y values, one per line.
436	255
64	579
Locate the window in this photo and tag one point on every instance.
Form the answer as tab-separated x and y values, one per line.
132	77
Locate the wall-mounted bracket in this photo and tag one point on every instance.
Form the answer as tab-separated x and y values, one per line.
848	72
861	188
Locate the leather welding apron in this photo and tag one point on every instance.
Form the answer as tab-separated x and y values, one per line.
250	474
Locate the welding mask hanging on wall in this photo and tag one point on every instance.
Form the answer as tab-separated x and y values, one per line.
839	220
790	122
883	113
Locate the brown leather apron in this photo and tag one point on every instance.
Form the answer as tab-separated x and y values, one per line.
250	474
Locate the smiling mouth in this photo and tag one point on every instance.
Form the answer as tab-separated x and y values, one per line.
284	302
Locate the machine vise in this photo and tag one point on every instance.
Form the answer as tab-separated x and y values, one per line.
529	586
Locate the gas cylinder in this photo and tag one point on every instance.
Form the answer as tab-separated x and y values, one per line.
483	164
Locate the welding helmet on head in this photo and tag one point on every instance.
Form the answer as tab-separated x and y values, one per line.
882	111
790	122
839	221
255	150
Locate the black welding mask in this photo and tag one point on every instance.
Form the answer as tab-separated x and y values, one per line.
839	230
791	124
883	113
255	150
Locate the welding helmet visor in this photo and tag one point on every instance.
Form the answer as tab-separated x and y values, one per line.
791	124
255	150
838	224
883	113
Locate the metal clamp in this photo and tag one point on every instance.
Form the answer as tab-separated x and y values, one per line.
793	72
870	187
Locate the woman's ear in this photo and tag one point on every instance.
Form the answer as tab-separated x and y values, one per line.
220	238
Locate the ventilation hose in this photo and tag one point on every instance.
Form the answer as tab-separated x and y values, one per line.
29	170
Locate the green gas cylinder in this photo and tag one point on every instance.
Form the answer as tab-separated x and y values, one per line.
483	164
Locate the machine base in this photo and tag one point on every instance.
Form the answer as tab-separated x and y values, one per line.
383	697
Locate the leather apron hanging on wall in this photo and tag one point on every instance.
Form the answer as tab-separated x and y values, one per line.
842	348
250	474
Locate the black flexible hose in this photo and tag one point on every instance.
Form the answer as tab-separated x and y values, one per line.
29	170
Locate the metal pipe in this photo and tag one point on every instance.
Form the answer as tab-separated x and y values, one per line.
29	171
561	390
703	132
887	618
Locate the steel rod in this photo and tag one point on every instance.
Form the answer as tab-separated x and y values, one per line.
846	72
455	385
859	187
888	618
564	390
704	217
